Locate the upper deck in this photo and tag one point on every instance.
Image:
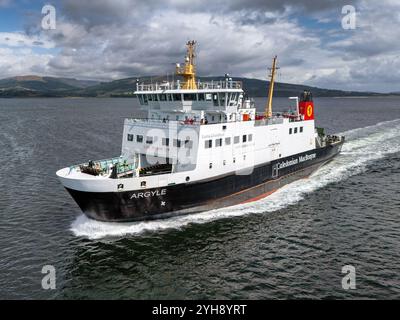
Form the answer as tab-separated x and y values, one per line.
227	85
174	96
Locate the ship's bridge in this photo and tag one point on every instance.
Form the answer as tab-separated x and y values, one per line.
171	96
190	99
211	101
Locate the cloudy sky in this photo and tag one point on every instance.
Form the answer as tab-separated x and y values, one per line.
112	39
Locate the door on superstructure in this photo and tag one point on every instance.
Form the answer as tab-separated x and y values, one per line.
275	171
274	145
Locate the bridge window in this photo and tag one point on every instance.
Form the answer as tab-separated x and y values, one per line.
165	141
208	96
218	142
295	130
208	144
228	141
244	138
250	137
301	129
145	100
130	137
236	140
290	131
222	99
189	96
139	138
215	100
201	96
155	97
177	97
163	97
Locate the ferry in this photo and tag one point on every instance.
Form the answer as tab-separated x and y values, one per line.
201	146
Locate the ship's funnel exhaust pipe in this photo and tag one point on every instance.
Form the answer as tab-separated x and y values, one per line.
306	106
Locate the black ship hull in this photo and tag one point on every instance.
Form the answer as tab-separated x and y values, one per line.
193	197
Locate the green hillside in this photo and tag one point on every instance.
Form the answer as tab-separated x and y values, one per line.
35	86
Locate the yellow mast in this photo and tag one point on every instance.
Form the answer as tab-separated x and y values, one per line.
188	71
268	107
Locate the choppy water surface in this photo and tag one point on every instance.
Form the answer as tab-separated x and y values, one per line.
292	244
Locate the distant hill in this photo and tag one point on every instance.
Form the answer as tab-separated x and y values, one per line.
35	86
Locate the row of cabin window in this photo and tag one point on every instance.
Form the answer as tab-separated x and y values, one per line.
295	130
213	118
236	139
231	97
165	141
210	165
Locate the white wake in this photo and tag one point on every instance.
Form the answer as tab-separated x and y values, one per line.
362	146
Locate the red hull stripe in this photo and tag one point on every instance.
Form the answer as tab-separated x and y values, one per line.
259	197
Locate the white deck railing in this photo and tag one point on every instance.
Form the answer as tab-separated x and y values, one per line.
178	85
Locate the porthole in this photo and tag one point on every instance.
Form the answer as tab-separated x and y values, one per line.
187	179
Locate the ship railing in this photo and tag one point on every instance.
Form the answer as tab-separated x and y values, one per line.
179	85
162	122
104	167
277	118
268	121
258	121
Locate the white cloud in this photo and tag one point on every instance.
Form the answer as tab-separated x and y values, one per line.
23	61
115	39
20	39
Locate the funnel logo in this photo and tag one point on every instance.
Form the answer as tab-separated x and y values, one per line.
309	111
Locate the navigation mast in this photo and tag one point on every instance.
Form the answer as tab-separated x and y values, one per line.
188	71
268	107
